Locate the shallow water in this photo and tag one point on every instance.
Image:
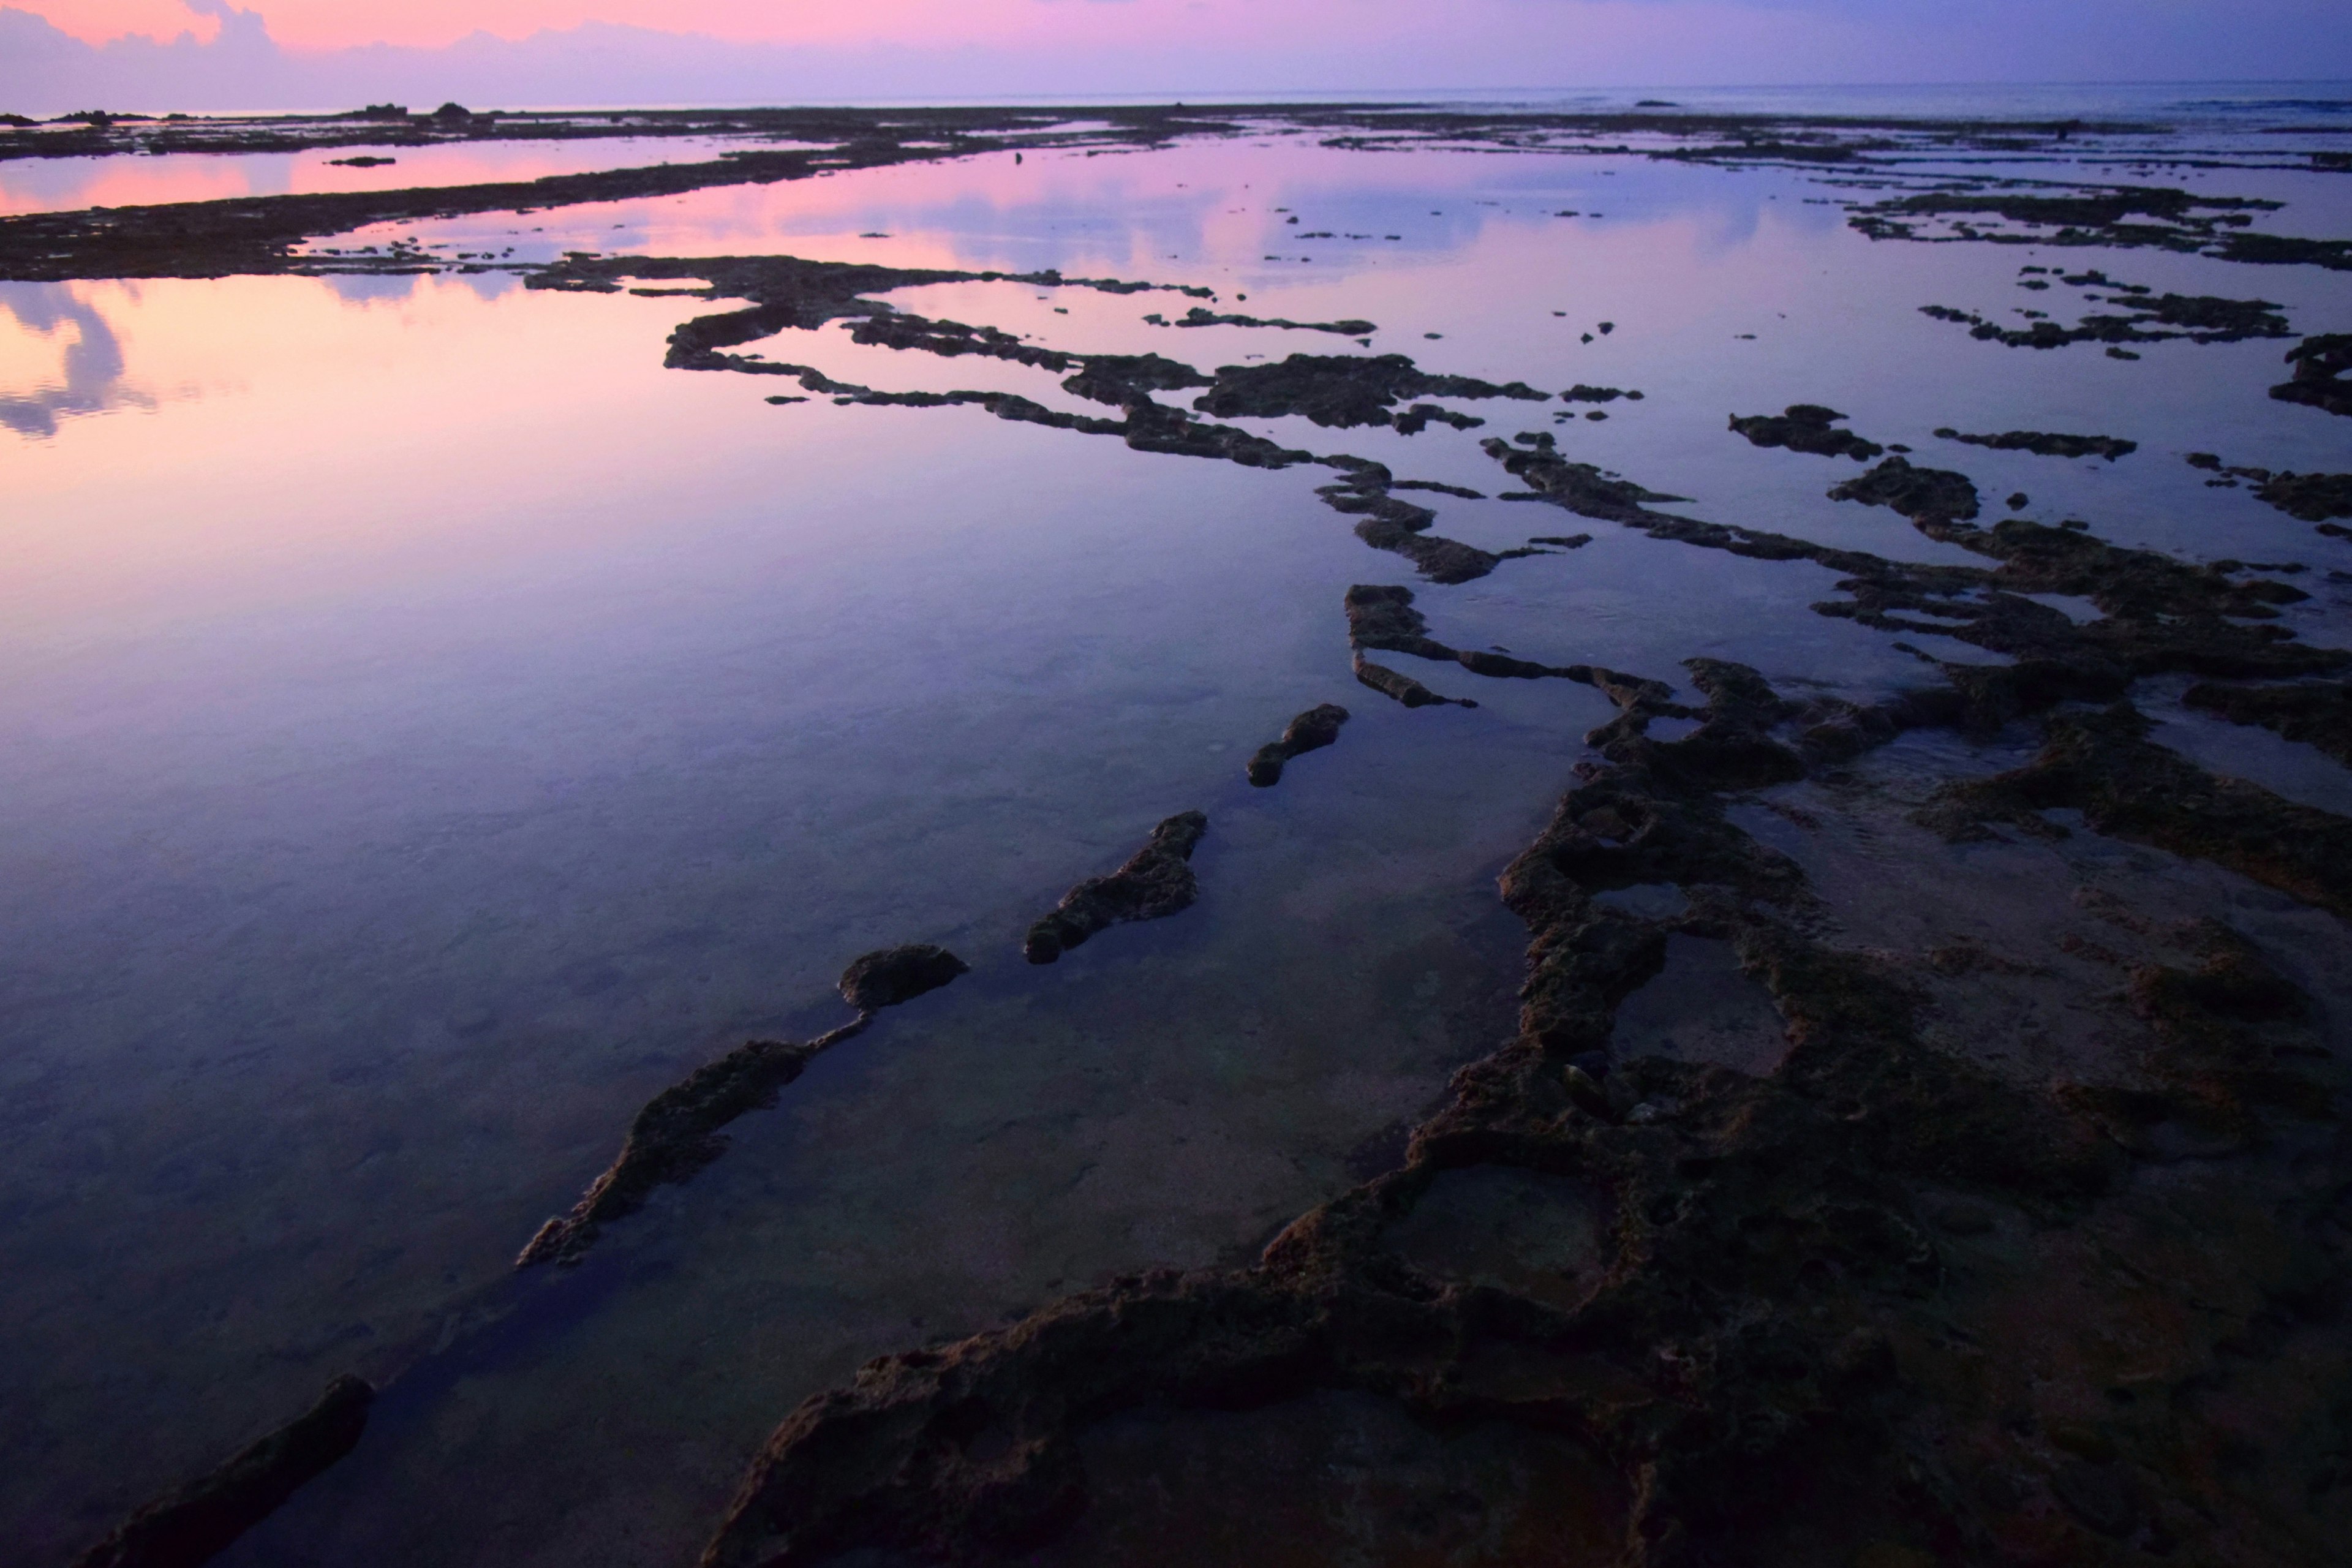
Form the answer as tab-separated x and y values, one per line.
136	179
428	727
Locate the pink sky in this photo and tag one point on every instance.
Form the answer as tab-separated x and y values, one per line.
334	23
961	48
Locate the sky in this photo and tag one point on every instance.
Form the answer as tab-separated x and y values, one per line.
212	54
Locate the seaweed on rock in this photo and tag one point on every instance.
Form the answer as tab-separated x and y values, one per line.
1156	882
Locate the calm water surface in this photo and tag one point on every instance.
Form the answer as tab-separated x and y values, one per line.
428	727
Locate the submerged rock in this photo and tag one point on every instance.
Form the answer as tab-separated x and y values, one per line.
1310	732
197	1521
2316	712
1155	882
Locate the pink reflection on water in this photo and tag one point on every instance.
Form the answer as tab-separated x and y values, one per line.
125	180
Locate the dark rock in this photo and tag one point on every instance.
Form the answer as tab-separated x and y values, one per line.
1918	494
1806	427
896	974
1312	731
1154	883
2316	713
2043	442
1403	688
2102	764
2323	373
2198	318
196	1523
1197	317
1339	391
677	1132
1402	527
1383	617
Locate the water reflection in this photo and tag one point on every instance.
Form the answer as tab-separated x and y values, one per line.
91	368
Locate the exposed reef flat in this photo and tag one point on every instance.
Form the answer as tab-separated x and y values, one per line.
677	1132
1791	1289
1155	881
196	1523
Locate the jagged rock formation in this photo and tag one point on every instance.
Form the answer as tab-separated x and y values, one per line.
1768	1319
1155	881
1805	428
1310	732
677	1132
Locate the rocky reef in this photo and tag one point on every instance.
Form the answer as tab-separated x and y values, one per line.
1805	428
677	1132
2046	444
2323	374
1155	882
1310	732
1800	1317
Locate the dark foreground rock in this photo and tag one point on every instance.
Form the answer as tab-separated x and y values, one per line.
677	1132
2102	765
1156	881
1885	1303
196	1523
1312	731
1805	428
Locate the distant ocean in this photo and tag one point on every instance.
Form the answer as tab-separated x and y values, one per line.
2237	105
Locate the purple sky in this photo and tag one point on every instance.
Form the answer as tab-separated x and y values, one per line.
206	54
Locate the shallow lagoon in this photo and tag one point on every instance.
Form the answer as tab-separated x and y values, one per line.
431	727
